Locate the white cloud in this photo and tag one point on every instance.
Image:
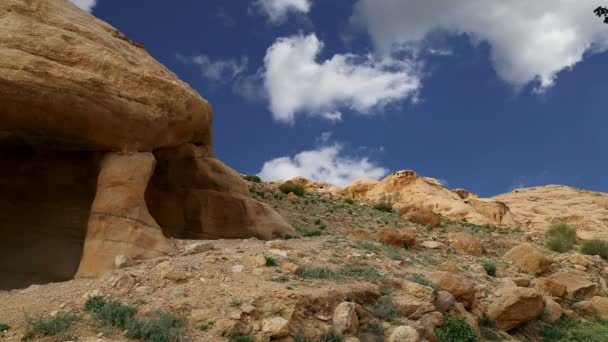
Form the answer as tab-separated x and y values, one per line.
529	40
86	5
218	70
297	83
277	10
323	165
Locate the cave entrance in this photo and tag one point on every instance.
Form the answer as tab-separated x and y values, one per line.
45	202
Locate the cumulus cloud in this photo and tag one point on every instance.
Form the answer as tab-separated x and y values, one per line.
218	70
530	40
277	10
86	5
325	164
296	83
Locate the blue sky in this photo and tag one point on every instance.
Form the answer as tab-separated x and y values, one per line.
336	90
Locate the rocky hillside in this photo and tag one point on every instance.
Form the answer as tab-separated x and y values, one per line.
352	273
539	207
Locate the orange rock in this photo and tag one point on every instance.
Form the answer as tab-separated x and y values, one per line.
424	216
515	305
551	286
458	285
466	243
527	257
397	237
293	198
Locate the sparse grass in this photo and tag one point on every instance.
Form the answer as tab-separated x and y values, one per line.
361	272
569	330
489	330
270	261
206	326
385	309
318	272
110	312
384	207
4	327
288	187
349	201
40	326
235	302
279	279
490	267
366	245
162	326
252	178
312	233
421	279
241	339
561	238
456	329
595	247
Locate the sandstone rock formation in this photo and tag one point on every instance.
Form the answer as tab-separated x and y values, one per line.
514	306
406	188
529	258
316	186
87	117
538	208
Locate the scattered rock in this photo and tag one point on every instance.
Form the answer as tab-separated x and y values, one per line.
397	237
458	285
577	285
121	261
345	319
258	260
124	282
290	268
466	243
521	281
514	306
276	327
237	268
144	290
278	252
174	276
421	292
197	248
444	301
553	309
432	244
528	258
404	333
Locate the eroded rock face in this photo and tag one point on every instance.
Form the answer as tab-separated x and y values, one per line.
70	79
85	114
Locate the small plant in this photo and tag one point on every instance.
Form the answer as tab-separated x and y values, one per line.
109	311
40	326
317	272
421	279
236	302
206	326
489	330
490	267
567	329
456	329
596	247
252	178
270	261
312	233
384	206
318	222
4	327
162	326
349	201
360	272
561	238
385	309
241	338
332	336
279	279
288	187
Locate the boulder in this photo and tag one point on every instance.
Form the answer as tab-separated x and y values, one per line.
444	301
424	293
120	145
448	266
596	306
576	284
293	198
397	237
551	286
404	333
528	258
345	319
553	309
275	327
515	305
466	243
460	286
421	215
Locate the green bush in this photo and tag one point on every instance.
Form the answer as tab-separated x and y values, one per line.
288	187
318	272
595	247
384	206
561	238
385	309
421	279
312	233
456	329
109	311
4	327
490	267
569	330
40	326
162	326
252	178
270	261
